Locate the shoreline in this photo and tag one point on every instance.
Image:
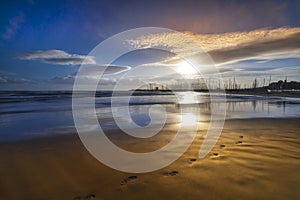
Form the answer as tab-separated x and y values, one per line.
115	131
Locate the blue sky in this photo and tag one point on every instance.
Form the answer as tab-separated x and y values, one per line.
45	41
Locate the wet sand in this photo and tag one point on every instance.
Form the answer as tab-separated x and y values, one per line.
253	159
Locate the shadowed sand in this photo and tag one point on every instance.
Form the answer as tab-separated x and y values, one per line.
253	159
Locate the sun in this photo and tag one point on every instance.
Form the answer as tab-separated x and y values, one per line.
185	68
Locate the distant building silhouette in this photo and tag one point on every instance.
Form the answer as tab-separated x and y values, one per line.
284	85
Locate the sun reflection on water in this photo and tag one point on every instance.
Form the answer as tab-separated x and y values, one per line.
188	98
189	115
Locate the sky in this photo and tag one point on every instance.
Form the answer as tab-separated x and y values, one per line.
44	43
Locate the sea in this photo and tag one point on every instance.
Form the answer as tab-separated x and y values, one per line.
33	114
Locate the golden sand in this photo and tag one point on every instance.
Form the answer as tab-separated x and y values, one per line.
253	159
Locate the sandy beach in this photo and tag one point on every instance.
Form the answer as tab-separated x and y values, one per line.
253	159
150	100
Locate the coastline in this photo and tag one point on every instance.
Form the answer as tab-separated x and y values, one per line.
265	93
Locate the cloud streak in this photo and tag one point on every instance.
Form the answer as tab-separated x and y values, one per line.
277	48
9	80
14	24
114	69
58	57
64	82
109	70
262	44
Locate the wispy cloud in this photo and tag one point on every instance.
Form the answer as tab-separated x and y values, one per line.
9	80
262	44
109	70
14	80
6	73
13	26
114	69
9	77
246	76
58	57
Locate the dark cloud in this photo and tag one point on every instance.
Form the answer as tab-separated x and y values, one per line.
214	16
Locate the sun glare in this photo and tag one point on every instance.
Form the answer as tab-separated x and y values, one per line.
185	68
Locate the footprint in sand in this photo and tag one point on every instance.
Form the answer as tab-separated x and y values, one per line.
90	197
222	145
87	197
240	141
128	179
172	173
193	160
215	155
